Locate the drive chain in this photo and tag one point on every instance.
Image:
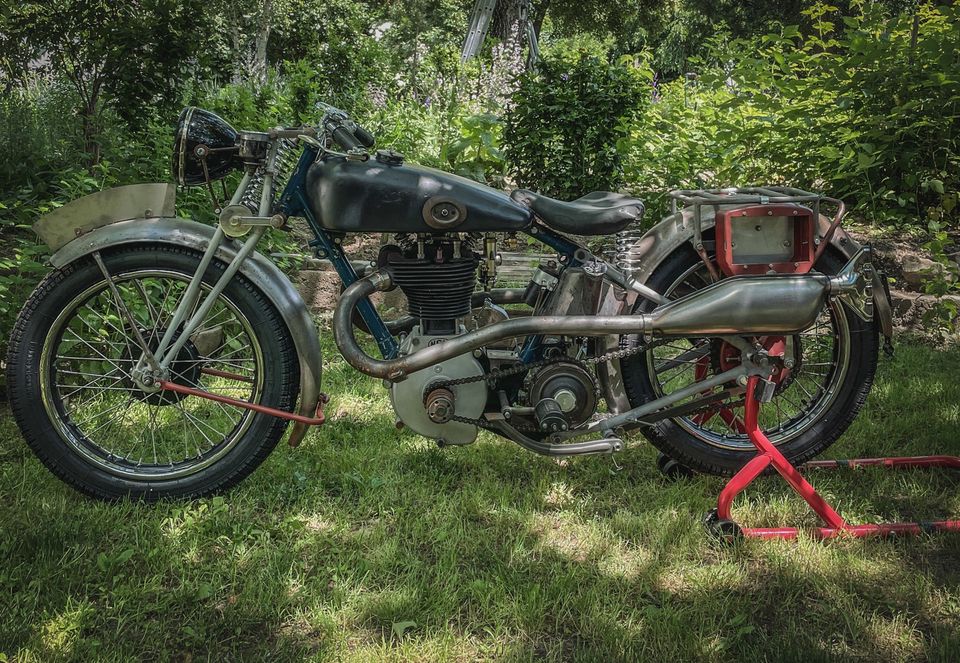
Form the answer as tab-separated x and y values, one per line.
496	374
493	376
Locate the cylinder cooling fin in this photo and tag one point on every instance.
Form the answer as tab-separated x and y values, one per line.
437	279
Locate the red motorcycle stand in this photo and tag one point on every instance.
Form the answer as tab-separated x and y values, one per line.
719	520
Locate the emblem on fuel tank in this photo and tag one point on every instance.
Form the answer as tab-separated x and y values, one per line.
442	213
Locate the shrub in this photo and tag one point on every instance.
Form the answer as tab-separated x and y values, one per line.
867	112
561	134
476	154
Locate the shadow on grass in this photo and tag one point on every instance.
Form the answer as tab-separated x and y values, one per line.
367	543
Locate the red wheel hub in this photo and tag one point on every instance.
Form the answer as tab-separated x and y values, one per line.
726	357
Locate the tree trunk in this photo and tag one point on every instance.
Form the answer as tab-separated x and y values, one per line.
89	111
263	36
505	24
538	13
91	133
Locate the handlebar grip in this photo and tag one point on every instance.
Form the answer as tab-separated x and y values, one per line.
365	137
346	140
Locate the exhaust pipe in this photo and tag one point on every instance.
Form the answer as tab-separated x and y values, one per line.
741	306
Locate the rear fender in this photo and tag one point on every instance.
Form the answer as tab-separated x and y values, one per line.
654	247
94	225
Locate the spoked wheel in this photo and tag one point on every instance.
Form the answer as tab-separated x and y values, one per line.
88	414
830	370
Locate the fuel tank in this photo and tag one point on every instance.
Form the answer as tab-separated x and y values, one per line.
383	194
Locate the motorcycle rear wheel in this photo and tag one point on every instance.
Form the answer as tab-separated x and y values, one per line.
809	411
68	374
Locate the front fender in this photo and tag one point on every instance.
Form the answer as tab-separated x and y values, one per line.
258	269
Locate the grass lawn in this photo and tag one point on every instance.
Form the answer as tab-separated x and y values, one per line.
367	543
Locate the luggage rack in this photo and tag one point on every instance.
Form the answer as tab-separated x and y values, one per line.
755	195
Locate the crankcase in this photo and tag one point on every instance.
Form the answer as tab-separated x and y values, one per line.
469	399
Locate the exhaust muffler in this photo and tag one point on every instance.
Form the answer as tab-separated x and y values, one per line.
752	305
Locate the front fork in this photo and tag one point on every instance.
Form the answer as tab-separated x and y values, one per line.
151	372
154	365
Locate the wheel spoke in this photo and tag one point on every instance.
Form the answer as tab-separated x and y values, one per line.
99	354
111	408
130	430
195	385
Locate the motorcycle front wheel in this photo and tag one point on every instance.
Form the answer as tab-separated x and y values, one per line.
813	405
69	378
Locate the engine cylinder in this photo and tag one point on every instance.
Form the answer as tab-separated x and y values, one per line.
438	284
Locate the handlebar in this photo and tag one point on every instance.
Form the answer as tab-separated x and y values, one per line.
346	133
345	139
365	137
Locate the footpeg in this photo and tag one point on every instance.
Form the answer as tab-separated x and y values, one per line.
608	444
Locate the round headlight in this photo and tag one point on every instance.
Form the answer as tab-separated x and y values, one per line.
205	148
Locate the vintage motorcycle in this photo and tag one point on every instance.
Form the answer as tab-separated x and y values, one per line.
165	358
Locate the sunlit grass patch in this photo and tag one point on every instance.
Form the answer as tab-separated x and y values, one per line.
369	543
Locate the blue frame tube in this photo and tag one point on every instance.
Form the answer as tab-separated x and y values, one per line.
293	203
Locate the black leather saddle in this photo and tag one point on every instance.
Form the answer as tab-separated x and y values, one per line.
597	213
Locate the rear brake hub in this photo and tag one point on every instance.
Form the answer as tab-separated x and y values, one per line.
725	356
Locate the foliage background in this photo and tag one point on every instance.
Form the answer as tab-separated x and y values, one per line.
366	544
859	99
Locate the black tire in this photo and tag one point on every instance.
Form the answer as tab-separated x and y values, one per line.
676	441
63	446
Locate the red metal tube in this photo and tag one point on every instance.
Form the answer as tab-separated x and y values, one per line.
903	461
834	523
856	531
754	467
780	462
246	405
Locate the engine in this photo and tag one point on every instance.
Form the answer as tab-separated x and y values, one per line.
437	274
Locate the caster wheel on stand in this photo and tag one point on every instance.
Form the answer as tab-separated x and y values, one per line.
726	531
671	469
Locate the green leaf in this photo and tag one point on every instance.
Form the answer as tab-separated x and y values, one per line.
398	629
